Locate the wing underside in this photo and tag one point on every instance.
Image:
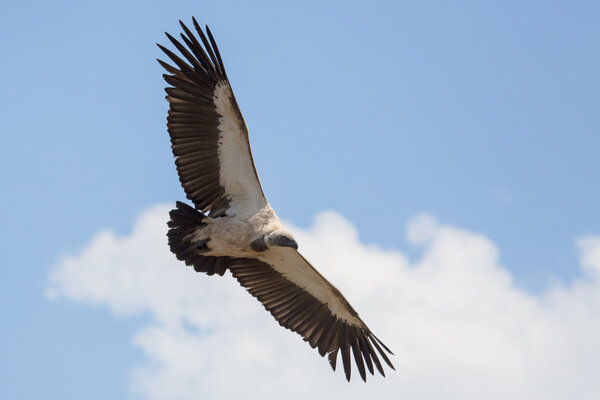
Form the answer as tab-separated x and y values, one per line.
210	143
306	303
208	134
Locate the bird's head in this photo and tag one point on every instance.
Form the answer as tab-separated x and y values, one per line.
282	238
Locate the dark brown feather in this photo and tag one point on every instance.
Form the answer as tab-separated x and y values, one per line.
358	357
327	336
366	353
184	220
193	44
193	120
193	124
296	309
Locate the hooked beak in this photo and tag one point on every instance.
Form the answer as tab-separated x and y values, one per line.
284	241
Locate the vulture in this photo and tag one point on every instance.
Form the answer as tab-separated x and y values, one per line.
231	225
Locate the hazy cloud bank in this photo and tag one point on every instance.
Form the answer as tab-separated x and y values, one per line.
459	327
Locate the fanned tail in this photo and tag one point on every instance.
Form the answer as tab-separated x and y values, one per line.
184	221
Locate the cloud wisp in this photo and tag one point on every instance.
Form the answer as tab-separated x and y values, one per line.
458	325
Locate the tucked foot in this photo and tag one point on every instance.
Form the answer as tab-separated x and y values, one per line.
199	246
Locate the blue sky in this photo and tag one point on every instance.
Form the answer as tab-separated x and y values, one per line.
484	115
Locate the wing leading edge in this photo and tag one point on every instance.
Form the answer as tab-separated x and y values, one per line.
209	137
302	300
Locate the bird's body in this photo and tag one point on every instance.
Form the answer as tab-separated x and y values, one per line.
233	235
233	227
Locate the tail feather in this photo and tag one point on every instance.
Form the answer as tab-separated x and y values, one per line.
184	220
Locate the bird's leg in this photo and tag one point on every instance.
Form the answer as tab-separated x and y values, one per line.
199	245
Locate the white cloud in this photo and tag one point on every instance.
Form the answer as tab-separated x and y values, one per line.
457	323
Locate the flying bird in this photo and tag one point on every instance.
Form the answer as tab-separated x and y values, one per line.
232	226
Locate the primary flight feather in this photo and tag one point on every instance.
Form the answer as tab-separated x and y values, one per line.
233	226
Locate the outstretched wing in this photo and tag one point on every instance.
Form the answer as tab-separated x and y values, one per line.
209	137
303	301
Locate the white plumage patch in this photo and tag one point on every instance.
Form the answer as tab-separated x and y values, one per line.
237	175
215	166
296	269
